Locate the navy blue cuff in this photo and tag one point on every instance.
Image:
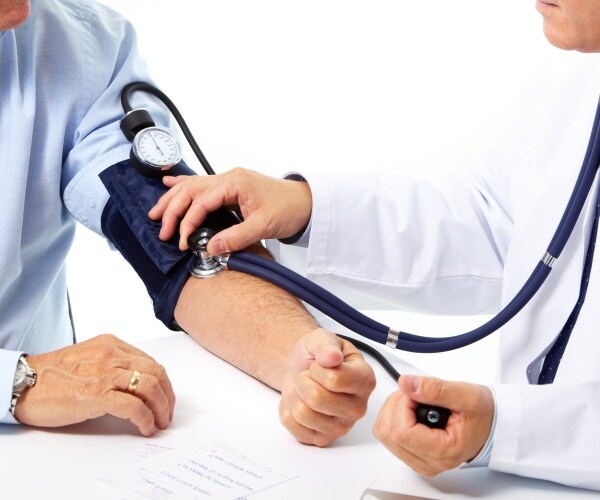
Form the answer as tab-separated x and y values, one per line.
163	268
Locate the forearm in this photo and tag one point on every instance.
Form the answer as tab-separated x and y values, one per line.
246	321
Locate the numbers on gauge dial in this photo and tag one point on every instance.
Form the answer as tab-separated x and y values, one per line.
157	147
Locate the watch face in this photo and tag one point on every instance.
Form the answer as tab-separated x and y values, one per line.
156	147
20	375
25	376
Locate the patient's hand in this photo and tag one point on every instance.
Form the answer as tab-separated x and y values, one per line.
326	388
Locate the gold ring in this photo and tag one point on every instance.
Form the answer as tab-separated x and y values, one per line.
133	383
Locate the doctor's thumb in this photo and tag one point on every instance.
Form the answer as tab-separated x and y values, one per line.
428	390
229	240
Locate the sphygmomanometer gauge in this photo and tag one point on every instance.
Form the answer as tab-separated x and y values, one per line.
155	150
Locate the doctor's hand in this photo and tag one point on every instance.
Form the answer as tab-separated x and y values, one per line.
95	378
431	451
271	207
326	389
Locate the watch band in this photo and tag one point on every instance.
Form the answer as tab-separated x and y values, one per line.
25	377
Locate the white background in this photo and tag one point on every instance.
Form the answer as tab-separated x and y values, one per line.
276	85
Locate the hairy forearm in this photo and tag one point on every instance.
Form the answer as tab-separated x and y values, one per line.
246	321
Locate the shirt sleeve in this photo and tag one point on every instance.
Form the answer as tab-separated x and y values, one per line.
8	366
98	141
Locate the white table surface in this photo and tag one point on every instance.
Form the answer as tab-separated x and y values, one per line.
218	402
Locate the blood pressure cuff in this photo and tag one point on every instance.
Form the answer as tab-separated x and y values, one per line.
162	267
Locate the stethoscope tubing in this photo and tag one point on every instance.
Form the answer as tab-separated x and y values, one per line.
583	184
357	322
361	324
349	317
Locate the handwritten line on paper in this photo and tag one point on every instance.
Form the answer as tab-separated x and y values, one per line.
213	469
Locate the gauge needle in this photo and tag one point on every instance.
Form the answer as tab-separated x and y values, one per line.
156	144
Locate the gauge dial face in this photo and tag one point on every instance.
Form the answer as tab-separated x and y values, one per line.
157	147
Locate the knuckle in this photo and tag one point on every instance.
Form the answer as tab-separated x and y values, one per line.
332	378
436	387
237	173
360	410
313	397
108	338
322	440
300	412
152	384
341	429
161	372
397	436
285	416
380	432
139	410
369	379
92	388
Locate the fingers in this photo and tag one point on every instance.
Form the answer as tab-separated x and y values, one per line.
325	349
314	416
131	358
318	414
393	421
127	407
397	428
327	390
431	390
430	451
150	389
271	208
238	236
190	200
95	378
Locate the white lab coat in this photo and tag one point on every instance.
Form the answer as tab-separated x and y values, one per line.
467	244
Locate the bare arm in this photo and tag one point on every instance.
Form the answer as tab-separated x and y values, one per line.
266	332
247	322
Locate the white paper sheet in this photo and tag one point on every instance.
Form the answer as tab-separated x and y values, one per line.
213	469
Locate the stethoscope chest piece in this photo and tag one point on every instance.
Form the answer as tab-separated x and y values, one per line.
205	266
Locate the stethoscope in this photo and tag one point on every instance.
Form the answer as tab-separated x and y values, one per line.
339	310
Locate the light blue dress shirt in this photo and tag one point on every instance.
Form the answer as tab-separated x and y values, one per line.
61	74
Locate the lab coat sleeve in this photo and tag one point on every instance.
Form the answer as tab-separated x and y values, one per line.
549	432
422	245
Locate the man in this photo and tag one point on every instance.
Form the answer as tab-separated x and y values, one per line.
62	67
465	245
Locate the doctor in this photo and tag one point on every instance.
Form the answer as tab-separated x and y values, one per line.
541	418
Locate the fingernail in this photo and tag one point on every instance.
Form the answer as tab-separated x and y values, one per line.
219	246
412	382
